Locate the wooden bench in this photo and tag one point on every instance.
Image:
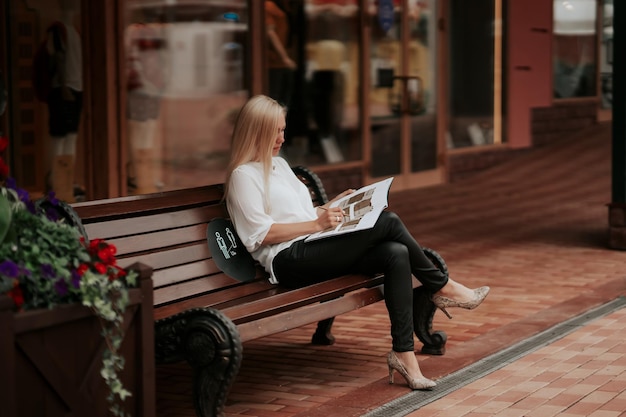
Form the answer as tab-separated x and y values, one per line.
202	315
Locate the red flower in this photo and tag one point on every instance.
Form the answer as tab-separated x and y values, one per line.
116	272
107	254
4	169
17	295
100	267
82	268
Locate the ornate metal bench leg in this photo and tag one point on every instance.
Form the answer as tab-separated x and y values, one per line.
323	335
424	311
210	343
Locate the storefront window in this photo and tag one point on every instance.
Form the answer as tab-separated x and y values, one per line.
312	68
574	48
475	92
404	85
45	83
185	66
606	55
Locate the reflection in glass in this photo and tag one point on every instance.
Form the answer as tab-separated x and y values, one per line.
185	84
395	94
386	91
46	90
322	41
475	73
606	55
574	48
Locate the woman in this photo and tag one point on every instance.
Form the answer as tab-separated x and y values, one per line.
272	213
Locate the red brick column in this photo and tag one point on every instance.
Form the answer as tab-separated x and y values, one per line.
617	225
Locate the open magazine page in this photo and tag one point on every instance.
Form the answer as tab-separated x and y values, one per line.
361	209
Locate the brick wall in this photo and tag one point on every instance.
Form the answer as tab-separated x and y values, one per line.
463	165
549	123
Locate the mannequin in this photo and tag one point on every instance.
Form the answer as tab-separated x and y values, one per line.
65	98
144	44
328	54
281	67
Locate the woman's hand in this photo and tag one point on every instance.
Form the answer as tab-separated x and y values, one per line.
329	218
342	195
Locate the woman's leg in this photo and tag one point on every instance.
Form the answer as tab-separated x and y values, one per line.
305	263
392	227
386	248
392	258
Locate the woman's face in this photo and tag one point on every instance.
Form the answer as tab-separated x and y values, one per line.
279	139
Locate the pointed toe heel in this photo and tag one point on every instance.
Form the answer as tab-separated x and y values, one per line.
414	383
442	302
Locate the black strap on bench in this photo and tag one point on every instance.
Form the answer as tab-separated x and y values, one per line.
229	253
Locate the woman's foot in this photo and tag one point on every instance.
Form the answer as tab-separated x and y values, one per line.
454	294
406	364
456	291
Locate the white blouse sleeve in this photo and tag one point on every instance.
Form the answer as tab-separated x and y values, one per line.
246	209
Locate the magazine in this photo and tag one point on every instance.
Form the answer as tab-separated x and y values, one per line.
361	209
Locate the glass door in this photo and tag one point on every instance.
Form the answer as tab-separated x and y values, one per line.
186	66
403	92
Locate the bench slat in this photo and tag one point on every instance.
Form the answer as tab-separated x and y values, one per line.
192	288
161	297
171	257
147	224
109	209
182	273
161	239
309	314
274	303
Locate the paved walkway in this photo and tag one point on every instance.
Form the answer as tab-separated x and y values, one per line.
535	230
581	375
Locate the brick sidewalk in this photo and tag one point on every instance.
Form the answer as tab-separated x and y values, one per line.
534	229
581	375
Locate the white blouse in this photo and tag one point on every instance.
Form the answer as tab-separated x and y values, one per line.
290	202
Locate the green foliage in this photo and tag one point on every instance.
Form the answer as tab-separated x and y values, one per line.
45	262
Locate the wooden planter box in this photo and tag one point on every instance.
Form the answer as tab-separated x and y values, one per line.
50	360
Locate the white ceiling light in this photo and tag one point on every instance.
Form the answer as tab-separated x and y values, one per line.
574	17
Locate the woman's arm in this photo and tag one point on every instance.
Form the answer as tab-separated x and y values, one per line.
282	232
328	217
342	195
280	49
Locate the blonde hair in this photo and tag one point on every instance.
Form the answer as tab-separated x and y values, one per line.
254	136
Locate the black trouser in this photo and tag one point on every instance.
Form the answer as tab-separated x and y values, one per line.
388	248
281	85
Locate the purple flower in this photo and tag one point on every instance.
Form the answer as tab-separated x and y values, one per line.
52	214
52	198
9	269
47	271
75	278
61	287
30	206
21	193
11	183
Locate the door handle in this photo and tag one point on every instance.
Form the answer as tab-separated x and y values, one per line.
411	102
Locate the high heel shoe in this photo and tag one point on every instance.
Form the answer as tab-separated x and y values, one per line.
414	383
442	302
